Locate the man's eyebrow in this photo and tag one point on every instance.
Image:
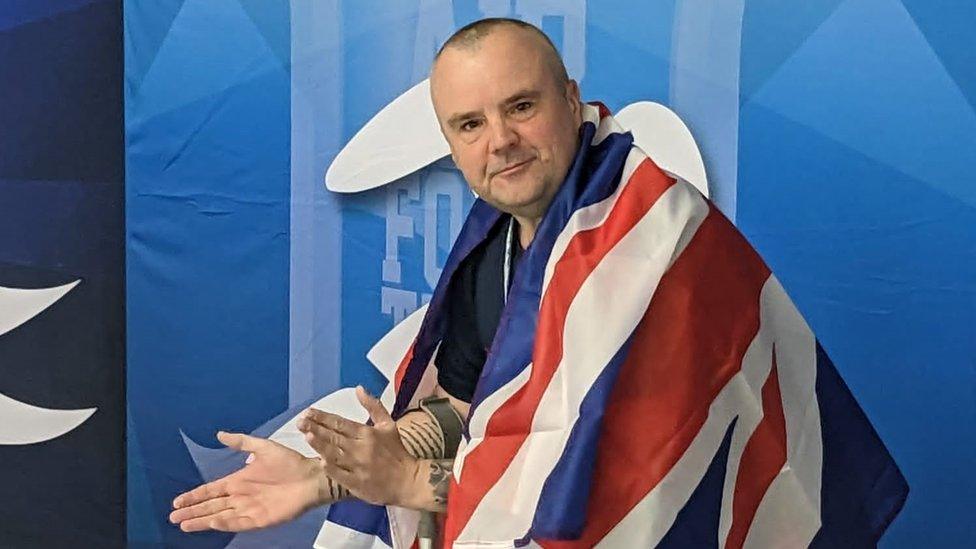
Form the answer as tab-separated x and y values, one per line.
457	118
527	93
523	94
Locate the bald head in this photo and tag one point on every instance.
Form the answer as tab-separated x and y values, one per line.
470	37
509	113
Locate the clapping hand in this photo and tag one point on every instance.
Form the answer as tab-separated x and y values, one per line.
368	460
275	486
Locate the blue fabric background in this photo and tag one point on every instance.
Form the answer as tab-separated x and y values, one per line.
837	134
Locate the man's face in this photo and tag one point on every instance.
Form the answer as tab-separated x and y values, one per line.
512	128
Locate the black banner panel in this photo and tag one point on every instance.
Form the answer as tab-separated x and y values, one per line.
62	270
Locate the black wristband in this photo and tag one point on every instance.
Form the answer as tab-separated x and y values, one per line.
448	420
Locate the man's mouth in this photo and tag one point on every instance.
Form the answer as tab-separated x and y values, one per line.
512	168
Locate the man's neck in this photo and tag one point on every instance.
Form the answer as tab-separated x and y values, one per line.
526	229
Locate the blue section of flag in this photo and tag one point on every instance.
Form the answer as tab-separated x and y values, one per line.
862	489
561	511
362	517
697	524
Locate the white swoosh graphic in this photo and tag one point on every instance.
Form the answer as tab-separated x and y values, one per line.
404	137
399	140
17	306
666	139
22	423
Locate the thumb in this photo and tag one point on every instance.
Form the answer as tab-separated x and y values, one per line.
241	442
377	412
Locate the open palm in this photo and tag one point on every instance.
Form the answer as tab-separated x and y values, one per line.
277	485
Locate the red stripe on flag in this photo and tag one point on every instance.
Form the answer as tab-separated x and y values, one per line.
601	108
762	459
402	368
702	317
508	427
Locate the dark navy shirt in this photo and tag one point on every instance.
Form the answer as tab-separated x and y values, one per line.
475	301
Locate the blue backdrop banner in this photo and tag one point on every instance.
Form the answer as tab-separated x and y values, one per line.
836	134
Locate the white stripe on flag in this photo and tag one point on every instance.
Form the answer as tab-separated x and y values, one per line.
789	513
336	536
604	126
404	524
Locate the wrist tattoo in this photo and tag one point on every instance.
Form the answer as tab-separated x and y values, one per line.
441	472
421	438
336	490
330	490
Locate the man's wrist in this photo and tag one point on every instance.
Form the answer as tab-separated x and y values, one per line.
323	491
426	486
411	486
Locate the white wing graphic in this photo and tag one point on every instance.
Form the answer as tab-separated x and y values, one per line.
666	139
404	137
399	140
22	423
17	306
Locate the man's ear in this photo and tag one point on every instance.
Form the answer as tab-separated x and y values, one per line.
573	97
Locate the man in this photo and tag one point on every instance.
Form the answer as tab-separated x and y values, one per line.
640	379
511	116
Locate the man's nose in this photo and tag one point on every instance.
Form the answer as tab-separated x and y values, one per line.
502	136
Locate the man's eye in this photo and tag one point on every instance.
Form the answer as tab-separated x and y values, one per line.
523	106
469	125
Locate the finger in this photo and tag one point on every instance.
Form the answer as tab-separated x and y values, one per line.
196	525
377	412
241	442
304	423
210	490
204	509
232	523
326	434
337	423
330	451
212	522
334	422
324	440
